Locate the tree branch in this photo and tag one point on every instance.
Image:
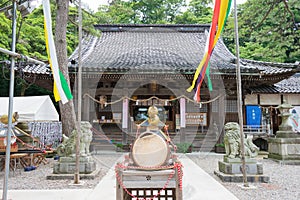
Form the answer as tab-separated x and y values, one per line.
292	14
265	17
74	23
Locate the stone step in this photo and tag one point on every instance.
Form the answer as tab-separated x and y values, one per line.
94	148
200	141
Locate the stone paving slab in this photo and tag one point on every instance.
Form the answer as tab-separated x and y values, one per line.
197	184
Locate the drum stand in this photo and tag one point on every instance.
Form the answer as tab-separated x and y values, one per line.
137	181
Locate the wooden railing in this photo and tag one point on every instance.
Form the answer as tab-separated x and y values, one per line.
257	130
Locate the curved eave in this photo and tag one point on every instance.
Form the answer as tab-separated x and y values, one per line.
273	64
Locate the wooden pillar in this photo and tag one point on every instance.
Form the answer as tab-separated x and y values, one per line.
86	109
182	119
125	120
221	121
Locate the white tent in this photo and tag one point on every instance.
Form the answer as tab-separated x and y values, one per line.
31	108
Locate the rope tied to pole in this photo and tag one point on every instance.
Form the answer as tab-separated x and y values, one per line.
151	98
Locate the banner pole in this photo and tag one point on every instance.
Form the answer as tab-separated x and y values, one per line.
239	96
79	77
11	97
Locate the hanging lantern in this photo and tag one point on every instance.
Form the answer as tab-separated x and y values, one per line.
154	86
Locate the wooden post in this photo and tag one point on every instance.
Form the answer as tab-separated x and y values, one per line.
239	96
221	122
86	108
178	179
182	120
125	121
77	163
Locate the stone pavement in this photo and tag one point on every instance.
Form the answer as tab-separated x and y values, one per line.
197	184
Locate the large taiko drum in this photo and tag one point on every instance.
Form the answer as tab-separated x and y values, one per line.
150	149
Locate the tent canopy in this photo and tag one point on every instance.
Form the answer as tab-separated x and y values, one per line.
31	108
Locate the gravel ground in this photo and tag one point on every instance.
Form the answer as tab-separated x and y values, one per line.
36	179
284	179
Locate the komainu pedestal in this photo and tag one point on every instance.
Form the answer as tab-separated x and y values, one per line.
67	165
67	153
230	170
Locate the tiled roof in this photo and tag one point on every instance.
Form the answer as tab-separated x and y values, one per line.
37	69
27	67
265	89
269	68
162	48
290	85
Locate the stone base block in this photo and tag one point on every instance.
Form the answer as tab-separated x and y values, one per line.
90	176
253	168
287	134
238	178
238	160
285	150
67	165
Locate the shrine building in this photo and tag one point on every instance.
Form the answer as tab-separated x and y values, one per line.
131	67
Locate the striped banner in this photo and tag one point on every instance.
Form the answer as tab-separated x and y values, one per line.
220	15
61	88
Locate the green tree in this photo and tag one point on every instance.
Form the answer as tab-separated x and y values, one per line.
156	12
31	41
268	30
118	12
197	12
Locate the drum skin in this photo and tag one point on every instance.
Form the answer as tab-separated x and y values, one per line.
150	149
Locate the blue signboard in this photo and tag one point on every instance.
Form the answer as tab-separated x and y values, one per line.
253	115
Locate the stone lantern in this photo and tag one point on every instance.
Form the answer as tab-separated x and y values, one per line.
285	129
285	148
285	114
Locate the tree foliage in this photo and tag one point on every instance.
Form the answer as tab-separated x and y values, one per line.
268	30
198	12
155	12
30	41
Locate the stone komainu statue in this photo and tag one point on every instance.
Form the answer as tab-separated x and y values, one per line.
85	138
232	141
68	146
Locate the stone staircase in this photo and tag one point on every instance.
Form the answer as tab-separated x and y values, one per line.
111	140
108	138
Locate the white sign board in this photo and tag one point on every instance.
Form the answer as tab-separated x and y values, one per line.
295	118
